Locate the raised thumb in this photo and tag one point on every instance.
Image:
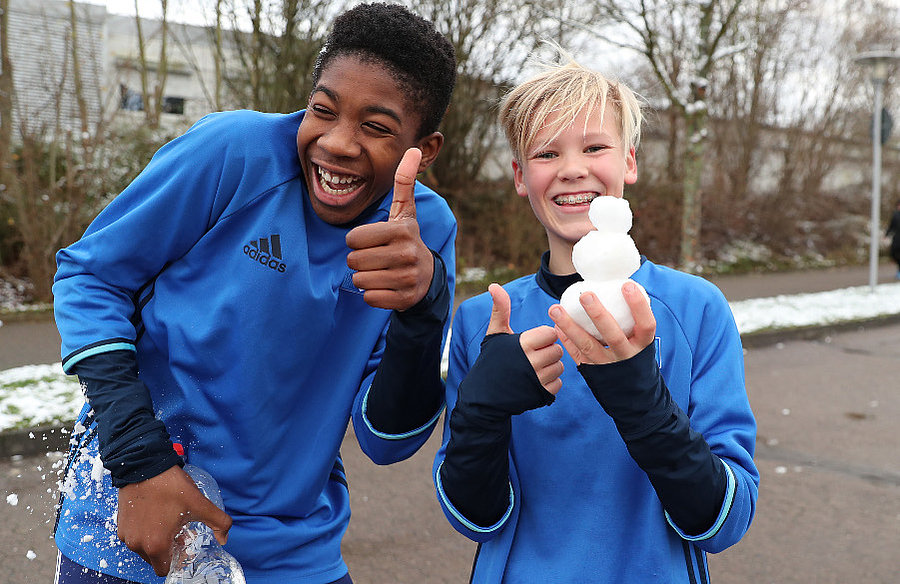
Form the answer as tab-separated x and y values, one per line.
403	203
500	312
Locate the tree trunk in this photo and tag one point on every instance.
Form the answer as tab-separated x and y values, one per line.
694	150
6	94
7	177
142	66
76	73
162	71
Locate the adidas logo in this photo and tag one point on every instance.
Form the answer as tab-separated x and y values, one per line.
266	251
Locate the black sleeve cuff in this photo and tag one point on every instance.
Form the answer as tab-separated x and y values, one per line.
475	472
134	445
632	392
688	478
435	305
502	381
407	390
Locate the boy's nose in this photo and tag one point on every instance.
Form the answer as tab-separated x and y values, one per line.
340	141
572	168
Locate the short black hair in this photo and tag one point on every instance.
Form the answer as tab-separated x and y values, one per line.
417	55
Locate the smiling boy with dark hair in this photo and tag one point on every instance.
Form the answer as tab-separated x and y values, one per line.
266	278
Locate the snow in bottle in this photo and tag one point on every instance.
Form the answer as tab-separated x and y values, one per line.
197	558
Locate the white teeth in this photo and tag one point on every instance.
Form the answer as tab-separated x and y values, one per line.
326	179
332	191
578	199
335	178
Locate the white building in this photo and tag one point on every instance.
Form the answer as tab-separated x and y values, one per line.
40	43
190	80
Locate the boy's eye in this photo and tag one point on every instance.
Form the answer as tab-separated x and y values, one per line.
378	128
596	148
321	110
545	155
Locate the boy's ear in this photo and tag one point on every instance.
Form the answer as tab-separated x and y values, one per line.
519	179
630	167
430	145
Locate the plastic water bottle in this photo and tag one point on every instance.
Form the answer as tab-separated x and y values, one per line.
197	558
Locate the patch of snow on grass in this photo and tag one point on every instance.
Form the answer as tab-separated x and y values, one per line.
36	395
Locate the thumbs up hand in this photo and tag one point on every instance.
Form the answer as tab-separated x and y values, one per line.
538	344
393	265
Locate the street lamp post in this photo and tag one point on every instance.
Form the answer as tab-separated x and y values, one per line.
878	63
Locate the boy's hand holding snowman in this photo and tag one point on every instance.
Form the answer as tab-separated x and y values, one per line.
616	345
606	317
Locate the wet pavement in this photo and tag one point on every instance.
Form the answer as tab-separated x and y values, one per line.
827	450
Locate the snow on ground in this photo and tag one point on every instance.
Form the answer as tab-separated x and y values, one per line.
820	308
38	395
43	394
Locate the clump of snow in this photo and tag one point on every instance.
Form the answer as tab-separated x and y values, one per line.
471	274
12	499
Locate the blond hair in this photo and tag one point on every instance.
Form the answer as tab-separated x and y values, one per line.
564	91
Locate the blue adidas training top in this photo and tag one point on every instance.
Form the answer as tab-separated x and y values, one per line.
255	345
580	508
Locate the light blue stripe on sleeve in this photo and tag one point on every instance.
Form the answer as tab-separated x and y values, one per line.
106	348
459	516
723	513
403	436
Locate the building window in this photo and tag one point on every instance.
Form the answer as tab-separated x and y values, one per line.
173	105
130	99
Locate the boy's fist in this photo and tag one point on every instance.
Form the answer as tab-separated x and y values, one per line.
538	344
393	265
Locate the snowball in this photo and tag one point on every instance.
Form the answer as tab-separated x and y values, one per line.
12	499
609	292
606	256
610	214
30	555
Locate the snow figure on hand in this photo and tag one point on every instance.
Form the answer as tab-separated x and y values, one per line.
605	258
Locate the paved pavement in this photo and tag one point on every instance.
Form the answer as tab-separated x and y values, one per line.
829	507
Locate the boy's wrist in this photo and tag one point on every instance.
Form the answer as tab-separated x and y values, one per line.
436	302
631	391
502	382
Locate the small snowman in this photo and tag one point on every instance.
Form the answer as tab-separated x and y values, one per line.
605	258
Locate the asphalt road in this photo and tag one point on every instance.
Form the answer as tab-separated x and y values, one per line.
827	450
